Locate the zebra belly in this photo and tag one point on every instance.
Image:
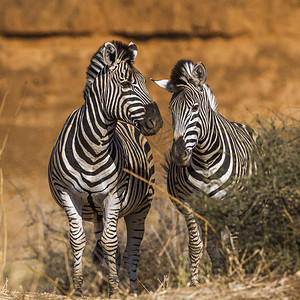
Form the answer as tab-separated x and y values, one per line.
183	185
132	199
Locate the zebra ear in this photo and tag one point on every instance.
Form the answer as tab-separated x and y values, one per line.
134	49
109	53
199	73
165	84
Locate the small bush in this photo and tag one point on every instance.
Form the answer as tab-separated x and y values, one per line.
265	214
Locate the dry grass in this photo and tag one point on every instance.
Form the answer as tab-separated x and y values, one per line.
3	234
164	266
276	288
163	271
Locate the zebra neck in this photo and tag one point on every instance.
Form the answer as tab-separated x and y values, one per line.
96	129
212	149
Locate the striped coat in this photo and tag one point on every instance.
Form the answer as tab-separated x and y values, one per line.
86	168
209	154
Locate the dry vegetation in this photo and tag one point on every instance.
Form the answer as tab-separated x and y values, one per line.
263	265
282	288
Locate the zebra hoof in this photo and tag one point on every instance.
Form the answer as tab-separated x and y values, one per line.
77	293
133	293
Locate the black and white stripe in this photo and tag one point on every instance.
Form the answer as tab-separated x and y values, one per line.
209	153
86	174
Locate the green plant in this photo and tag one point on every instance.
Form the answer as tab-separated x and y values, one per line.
265	214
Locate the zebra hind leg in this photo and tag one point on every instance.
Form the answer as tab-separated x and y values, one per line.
135	224
216	253
98	254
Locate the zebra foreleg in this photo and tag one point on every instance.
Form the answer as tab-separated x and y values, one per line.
77	240
109	239
135	231
195	246
98	253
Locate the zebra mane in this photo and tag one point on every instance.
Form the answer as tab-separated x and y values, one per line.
124	53
211	97
182	74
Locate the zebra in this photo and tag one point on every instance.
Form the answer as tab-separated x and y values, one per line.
97	142
209	154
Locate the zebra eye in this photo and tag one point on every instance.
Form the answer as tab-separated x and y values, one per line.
126	85
195	108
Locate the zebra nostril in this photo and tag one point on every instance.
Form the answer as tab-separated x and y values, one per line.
150	123
179	153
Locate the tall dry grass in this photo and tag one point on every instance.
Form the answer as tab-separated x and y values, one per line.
3	236
3	215
164	262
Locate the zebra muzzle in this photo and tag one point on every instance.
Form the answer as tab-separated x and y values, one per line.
179	153
152	120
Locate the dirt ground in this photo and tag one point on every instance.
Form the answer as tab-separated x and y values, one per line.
282	288
250	50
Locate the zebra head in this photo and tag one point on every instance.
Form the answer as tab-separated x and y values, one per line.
191	105
122	87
